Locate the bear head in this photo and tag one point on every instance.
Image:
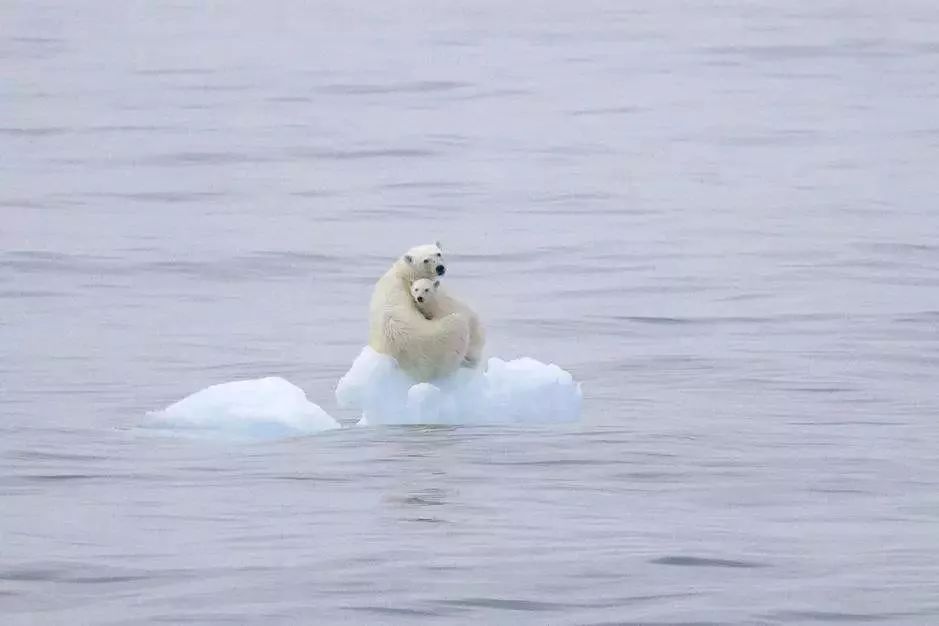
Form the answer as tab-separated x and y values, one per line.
424	289
424	261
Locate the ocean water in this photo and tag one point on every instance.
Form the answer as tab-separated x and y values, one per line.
720	217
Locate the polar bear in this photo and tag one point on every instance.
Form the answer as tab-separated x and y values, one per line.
424	349
434	303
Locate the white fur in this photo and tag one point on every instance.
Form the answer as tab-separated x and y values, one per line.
434	303
425	349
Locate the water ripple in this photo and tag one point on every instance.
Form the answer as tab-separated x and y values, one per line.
357	89
693	561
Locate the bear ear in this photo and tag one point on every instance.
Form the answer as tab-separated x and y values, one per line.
408	259
439	247
436	283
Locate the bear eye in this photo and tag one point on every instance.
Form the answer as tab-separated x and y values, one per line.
438	254
426	260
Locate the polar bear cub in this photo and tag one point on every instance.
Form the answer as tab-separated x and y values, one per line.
434	303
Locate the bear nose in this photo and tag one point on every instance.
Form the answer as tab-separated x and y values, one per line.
441	270
420	298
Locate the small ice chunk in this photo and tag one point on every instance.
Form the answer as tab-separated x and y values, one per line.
263	408
518	392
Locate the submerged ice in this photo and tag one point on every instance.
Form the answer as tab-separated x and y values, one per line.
516	392
263	408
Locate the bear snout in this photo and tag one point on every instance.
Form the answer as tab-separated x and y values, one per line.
441	270
420	298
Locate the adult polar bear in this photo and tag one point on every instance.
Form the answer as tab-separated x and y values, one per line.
425	349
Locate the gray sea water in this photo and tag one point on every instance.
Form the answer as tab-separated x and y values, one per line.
719	216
